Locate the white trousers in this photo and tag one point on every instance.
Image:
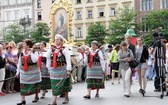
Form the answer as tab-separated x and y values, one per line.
126	80
2	77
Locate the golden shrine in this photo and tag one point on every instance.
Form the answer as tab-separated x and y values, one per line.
61	23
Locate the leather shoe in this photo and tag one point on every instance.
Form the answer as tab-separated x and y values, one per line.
52	104
65	101
35	100
22	103
97	95
87	97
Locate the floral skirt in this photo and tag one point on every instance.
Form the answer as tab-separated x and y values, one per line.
29	89
45	84
60	87
95	83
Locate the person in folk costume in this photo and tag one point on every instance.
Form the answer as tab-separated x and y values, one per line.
59	65
30	74
46	82
95	70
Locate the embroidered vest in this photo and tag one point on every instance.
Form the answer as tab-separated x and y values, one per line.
60	59
96	59
29	61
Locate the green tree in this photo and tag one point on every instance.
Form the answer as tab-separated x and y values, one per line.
155	21
117	28
96	32
13	32
40	32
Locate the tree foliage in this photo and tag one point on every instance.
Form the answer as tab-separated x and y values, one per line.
96	32
117	28
40	32
156	21
13	32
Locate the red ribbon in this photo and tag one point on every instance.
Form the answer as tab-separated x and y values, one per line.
91	60
54	59
40	62
82	54
25	62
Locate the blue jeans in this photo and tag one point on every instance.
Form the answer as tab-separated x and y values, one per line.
150	72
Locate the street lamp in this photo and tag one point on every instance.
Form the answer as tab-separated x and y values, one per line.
24	22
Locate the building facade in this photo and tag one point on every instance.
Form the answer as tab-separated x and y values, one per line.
42	10
15	10
91	11
85	13
144	7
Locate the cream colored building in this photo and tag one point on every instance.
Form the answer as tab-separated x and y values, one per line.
42	10
90	11
85	13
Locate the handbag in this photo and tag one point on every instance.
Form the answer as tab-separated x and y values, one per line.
134	63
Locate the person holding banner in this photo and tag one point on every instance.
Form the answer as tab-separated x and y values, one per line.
59	65
95	71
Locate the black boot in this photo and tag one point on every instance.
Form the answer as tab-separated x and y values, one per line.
22	103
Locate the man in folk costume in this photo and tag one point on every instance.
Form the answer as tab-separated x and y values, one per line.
46	82
30	75
59	65
95	70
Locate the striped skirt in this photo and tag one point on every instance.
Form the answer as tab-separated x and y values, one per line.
95	83
29	89
62	87
45	83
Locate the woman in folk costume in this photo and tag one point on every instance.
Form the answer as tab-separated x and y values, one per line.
30	74
45	83
59	65
95	70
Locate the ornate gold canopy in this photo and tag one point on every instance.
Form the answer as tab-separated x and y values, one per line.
60	4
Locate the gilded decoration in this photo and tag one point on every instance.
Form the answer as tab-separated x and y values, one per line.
64	8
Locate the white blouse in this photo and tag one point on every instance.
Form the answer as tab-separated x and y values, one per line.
34	58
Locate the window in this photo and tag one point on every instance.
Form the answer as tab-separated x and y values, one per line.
112	13
18	1
79	32
53	1
146	5
164	3
8	17
90	14
78	15
78	1
101	12
126	8
16	15
38	3
26	12
145	27
11	2
6	2
39	17
14	1
90	1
